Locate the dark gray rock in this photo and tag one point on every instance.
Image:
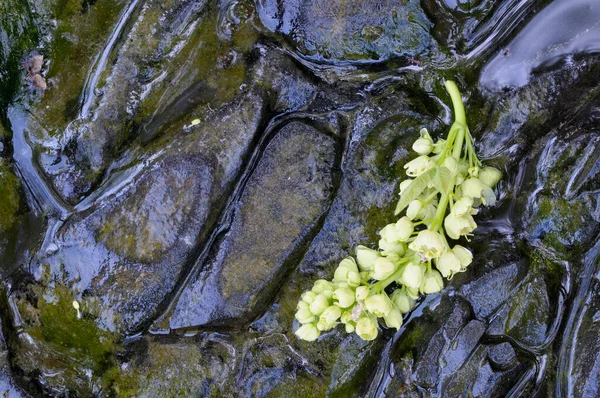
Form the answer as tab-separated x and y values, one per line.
335	31
122	256
281	205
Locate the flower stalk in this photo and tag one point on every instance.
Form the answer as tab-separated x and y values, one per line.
446	185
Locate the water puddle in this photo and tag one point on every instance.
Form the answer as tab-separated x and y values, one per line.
561	30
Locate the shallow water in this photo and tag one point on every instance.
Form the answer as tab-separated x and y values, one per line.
187	246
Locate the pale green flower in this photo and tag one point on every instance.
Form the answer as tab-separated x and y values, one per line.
490	176
451	164
347	272
330	316
457	226
403	301
404	229
472	187
418	166
414	209
319	304
391	248
404	185
365	257
423	145
382	268
448	264
429	244
309	297
379	304
305	316
432	282
366	327
344	296
393	319
308	332
463	206
464	255
321	285
412	275
362	292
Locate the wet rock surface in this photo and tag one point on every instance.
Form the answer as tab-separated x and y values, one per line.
147	255
279	210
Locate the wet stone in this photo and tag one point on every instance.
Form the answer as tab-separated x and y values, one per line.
124	254
584	366
491	290
502	355
282	203
176	367
336	31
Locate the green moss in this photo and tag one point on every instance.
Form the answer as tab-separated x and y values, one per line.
10	200
214	74
80	34
58	326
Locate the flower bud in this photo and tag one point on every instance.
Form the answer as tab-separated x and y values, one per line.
309	297
331	315
451	164
382	268
389	233
362	292
349	328
366	328
448	264
379	304
423	146
414	208
366	257
456	226
394	248
346	266
432	282
404	185
490	176
308	332
403	301
412	275
353	279
393	319
464	255
344	296
463	206
472	187
418	166
305	316
321	285
429	244
404	228
319	304
303	305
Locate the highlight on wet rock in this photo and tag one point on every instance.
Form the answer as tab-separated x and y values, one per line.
447	184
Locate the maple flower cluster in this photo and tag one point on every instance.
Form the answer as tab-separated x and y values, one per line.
447	184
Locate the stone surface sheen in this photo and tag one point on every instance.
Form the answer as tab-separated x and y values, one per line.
281	205
193	166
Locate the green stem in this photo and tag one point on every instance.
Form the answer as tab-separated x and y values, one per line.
459	109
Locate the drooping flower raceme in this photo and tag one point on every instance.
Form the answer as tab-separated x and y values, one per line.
446	185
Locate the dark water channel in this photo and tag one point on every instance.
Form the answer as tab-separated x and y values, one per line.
186	245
